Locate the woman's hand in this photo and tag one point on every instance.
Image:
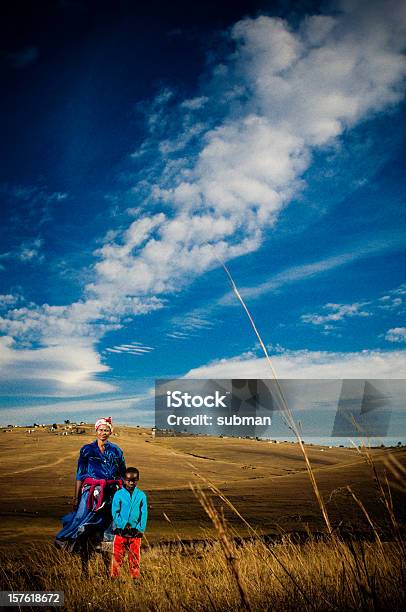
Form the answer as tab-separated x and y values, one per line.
75	503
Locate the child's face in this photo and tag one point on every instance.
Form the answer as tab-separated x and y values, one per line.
130	481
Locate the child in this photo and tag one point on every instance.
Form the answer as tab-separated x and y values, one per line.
130	512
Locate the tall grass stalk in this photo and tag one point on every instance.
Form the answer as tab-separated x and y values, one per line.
385	494
269	551
398	471
227	545
286	410
367	516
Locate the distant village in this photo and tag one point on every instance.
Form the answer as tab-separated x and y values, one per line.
65	429
68	428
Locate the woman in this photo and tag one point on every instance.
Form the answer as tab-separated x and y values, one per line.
101	468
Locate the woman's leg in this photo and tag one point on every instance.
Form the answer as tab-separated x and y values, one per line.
85	549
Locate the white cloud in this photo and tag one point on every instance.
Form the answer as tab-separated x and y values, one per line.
27	251
63	370
9	299
91	319
335	313
325	79
396	334
309	365
30	250
35	203
191	324
135	348
393	300
195	103
178	335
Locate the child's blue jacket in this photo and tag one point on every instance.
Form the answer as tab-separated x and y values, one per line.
130	509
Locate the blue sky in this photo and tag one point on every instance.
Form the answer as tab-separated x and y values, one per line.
140	147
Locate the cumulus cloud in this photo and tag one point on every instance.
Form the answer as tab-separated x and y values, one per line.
396	334
309	365
30	250
394	299
27	252
9	299
90	319
331	314
335	313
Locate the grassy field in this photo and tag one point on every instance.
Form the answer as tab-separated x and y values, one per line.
267	483
250	536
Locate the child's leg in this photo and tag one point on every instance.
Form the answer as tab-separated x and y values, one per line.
119	546
134	557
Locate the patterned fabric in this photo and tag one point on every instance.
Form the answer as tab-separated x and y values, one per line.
92	463
107	421
97	489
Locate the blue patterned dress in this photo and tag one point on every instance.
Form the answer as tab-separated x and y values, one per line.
92	519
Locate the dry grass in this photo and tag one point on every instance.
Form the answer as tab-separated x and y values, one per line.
268	483
225	574
327	576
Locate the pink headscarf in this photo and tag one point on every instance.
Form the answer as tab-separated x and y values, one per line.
107	421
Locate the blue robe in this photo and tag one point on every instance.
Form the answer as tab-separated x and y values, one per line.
85	523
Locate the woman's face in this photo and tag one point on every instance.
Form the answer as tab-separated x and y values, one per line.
103	432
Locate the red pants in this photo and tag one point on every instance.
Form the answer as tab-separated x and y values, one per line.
120	545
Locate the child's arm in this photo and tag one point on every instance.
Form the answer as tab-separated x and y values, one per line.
143	513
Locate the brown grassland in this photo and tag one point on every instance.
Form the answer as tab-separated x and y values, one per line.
249	536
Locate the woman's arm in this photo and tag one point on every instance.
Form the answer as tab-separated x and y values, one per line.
80	474
121	467
76	499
